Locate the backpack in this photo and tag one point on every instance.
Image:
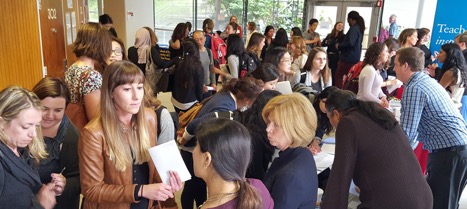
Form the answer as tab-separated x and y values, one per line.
219	49
307	91
246	66
350	81
185	118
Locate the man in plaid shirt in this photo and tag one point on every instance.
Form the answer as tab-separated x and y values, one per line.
429	115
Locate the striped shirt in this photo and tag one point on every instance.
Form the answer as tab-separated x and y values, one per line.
429	115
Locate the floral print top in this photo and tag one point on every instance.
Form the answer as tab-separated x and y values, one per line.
72	79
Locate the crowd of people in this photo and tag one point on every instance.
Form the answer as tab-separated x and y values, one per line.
89	133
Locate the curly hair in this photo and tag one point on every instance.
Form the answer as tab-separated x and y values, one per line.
372	55
300	44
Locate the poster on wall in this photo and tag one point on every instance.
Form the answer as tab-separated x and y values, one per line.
447	26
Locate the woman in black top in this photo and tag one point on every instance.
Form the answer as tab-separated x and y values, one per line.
423	38
268	33
61	141
336	36
137	54
189	78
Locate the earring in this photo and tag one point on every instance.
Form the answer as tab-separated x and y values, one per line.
205	165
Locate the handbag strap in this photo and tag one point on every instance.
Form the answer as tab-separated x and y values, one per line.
149	59
82	78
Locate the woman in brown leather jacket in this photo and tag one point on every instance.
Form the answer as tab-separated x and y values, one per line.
116	169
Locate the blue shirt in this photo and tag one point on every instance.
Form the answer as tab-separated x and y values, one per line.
351	47
394	30
428	115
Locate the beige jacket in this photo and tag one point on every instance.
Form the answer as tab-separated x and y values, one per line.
101	184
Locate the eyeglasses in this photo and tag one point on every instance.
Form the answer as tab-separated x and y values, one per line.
117	52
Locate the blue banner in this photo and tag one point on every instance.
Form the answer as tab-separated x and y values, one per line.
450	20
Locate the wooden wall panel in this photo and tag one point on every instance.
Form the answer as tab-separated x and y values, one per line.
20	52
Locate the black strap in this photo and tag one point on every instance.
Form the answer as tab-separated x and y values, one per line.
158	114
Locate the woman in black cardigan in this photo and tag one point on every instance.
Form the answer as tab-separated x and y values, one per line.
61	141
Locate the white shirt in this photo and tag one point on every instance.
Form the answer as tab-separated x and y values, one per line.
369	85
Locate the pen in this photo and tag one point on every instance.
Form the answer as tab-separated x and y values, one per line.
61	172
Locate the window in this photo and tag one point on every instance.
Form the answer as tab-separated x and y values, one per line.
168	13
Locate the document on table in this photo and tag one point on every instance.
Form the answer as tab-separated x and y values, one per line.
323	160
167	158
284	87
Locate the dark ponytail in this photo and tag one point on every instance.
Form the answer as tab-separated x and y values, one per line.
245	88
229	144
360	21
343	101
361	24
248	197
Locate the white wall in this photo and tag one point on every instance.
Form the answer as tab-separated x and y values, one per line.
408	13
126	24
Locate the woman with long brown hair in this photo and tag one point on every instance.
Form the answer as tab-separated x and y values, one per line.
317	73
255	47
116	169
335	37
221	159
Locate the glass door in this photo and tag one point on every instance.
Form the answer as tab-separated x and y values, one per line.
330	12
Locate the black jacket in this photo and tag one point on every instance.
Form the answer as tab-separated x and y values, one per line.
19	180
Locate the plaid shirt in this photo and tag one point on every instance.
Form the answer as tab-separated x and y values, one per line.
429	115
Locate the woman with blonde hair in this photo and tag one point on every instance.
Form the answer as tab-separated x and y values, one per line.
61	141
92	47
251	28
298	52
317	73
116	169
21	149
291	124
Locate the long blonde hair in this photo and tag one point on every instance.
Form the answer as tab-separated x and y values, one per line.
116	74
13	100
300	44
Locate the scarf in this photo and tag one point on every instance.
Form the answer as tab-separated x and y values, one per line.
21	168
142	42
54	147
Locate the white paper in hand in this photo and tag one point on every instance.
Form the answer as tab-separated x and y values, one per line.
167	158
